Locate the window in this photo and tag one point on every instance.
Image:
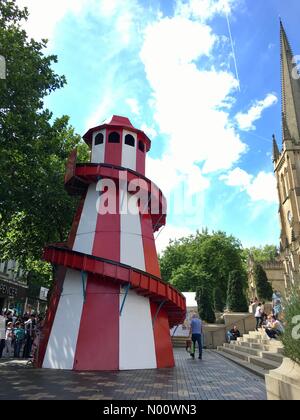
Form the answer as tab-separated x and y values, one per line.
114	137
283	187
129	140
141	146
99	139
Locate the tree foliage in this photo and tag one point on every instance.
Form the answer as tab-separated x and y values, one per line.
291	335
204	298
262	254
218	300
34	207
216	254
263	287
236	297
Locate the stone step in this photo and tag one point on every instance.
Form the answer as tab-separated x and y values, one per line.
256	334
276	357
234	352
246	365
263	347
243	349
256	340
264	363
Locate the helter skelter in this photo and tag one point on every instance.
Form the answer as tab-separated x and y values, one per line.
109	309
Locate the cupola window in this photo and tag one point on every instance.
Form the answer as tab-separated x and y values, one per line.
129	140
99	139
114	137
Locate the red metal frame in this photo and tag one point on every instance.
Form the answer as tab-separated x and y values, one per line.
86	174
144	283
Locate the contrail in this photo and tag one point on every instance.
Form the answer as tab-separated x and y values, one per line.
232	46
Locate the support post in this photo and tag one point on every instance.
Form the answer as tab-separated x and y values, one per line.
124	298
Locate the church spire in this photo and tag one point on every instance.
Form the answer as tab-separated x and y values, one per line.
290	80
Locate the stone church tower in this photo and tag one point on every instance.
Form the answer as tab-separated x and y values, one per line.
287	165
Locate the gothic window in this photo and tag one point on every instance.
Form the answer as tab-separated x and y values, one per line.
129	140
141	146
283	187
114	137
99	139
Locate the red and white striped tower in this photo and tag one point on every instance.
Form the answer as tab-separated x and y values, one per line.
109	309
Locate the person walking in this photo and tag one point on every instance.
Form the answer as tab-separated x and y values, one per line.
9	338
196	331
258	316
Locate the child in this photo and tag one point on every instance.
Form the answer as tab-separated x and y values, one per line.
19	333
188	345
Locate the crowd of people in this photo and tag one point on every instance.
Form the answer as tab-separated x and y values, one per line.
271	323
19	334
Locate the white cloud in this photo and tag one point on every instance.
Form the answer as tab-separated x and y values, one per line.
259	188
45	15
263	187
245	120
191	102
133	105
171	232
204	9
167	176
150	131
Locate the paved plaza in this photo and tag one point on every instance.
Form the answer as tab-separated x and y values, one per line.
213	378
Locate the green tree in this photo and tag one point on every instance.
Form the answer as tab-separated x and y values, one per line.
216	254
35	209
219	303
236	298
263	287
186	278
204	298
262	254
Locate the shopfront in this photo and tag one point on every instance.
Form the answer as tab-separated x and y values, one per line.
12	295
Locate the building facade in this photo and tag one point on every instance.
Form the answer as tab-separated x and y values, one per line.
287	165
13	288
16	294
275	273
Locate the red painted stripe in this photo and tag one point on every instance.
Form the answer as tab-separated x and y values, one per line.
98	339
107	240
140	160
50	315
75	224
162	338
150	254
175	306
113	151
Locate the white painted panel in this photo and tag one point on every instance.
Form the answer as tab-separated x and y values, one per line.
137	347
84	239
98	152
63	338
132	250
84	243
129	152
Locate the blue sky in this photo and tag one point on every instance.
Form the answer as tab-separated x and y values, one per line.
169	66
